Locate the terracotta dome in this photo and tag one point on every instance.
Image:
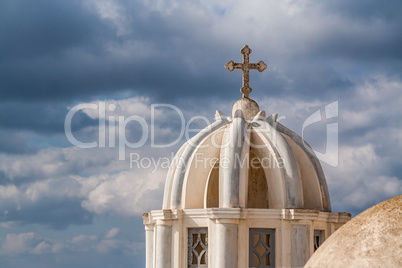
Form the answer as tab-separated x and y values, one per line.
371	239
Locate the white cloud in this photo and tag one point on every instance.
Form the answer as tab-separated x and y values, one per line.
112	188
368	159
31	243
42	248
112	233
375	101
359	181
109	187
83	239
305	43
140	106
112	12
55	162
15	244
127	193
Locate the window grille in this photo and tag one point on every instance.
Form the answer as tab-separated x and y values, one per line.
262	248
197	247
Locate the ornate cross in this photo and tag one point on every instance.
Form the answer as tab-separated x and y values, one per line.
246	67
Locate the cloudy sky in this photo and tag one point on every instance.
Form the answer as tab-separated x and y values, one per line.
65	206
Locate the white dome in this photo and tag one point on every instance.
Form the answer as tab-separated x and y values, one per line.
249	161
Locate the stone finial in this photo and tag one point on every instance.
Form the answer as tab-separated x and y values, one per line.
246	67
219	115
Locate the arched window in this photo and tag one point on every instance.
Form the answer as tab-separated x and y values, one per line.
257	184
213	187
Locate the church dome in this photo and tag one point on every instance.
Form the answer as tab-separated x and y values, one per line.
246	161
371	239
248	184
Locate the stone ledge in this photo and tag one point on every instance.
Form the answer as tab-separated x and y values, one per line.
243	214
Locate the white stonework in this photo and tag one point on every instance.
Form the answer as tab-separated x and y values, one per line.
228	230
242	172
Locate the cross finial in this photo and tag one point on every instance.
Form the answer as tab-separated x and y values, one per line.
246	67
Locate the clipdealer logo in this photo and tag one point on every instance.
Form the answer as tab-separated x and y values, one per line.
115	126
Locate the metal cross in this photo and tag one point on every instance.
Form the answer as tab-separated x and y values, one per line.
246	67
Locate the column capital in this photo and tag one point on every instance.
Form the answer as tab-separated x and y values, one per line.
149	227
147	218
164	222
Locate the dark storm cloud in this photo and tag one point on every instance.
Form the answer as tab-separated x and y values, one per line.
35	35
56	50
31	29
15	142
4	180
311	79
366	10
379	38
40	117
55	213
71	77
54	54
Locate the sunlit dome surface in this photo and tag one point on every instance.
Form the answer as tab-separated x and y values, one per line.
371	239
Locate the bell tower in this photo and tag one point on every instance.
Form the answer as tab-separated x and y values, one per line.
244	192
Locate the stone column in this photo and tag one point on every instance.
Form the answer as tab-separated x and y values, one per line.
226	243
149	239
149	248
231	160
163	250
300	245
